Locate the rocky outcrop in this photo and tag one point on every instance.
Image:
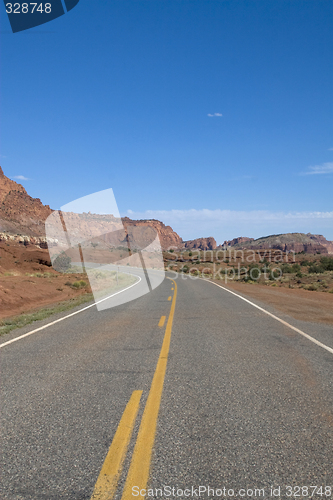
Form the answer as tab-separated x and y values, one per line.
237	241
319	239
19	212
25	240
200	244
169	239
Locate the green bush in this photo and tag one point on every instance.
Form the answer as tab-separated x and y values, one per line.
254	272
274	275
62	263
296	268
316	269
327	263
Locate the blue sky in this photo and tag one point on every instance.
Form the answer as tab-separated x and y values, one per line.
119	94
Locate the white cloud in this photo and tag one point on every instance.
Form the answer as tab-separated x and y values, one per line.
21	178
228	224
324	168
214	114
222	215
330	149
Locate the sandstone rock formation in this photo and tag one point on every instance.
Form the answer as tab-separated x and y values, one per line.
22	219
19	212
319	239
288	242
201	244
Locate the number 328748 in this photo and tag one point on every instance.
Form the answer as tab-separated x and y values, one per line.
28	8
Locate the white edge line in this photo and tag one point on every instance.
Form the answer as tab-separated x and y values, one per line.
329	349
69	315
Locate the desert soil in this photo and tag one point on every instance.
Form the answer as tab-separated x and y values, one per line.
28	282
301	304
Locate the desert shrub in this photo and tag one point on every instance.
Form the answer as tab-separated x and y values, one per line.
185	269
275	274
316	269
254	272
327	263
286	268
305	263
299	274
296	268
190	254
62	263
311	287
79	284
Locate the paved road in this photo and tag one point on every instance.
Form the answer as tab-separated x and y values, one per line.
247	402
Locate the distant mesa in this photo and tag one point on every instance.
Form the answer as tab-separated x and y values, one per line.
201	244
291	242
237	241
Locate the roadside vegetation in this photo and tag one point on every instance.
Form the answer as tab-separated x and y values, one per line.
271	267
104	283
8	324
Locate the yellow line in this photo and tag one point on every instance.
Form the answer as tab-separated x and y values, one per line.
162	321
169	298
138	473
107	481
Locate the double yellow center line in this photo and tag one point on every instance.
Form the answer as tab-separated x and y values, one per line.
138	473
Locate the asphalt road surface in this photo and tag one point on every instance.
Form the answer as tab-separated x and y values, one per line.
185	387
